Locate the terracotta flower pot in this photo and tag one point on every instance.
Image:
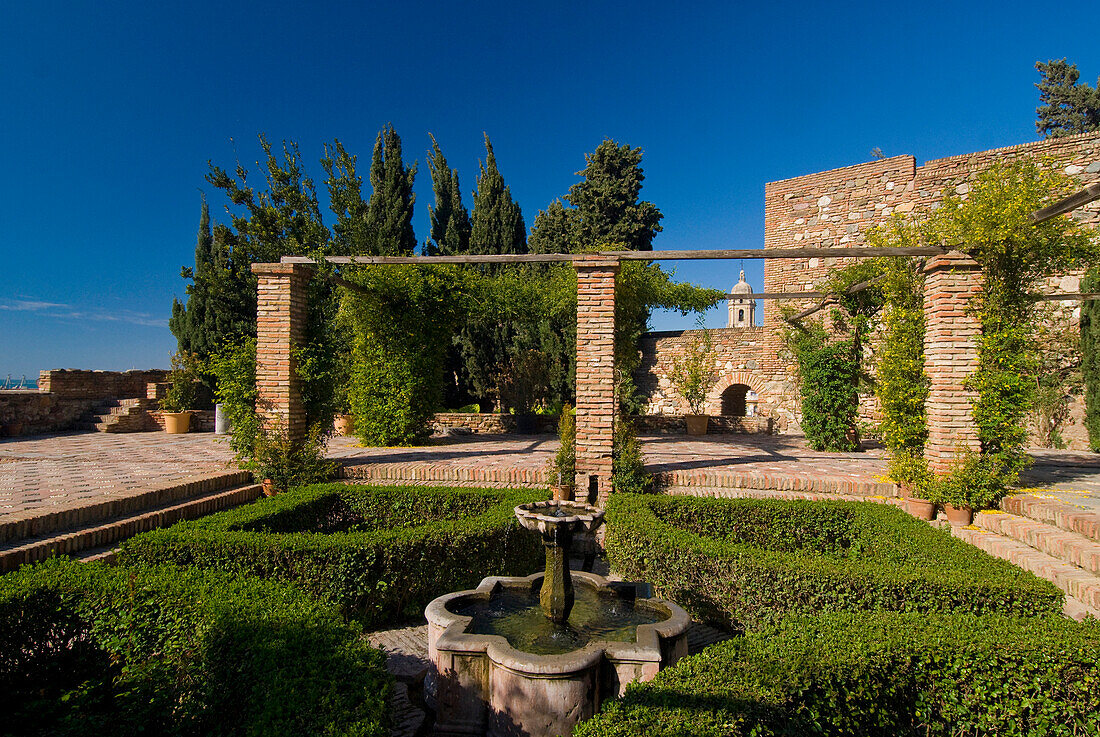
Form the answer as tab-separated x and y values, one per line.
269	487
344	424
958	516
563	492
177	423
697	424
920	508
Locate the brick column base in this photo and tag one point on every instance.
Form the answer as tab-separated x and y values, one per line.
950	355
281	313
595	375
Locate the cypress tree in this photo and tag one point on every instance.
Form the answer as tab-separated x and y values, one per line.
390	211
607	209
1067	107
497	223
449	218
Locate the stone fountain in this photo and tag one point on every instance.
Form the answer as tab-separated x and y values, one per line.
535	655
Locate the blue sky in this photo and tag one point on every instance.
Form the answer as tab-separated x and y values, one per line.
111	111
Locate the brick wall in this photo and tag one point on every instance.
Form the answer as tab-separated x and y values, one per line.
595	386
281	312
80	384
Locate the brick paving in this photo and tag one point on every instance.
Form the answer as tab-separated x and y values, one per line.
42	472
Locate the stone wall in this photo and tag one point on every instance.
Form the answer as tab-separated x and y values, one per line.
30	412
80	384
201	420
717	425
492	423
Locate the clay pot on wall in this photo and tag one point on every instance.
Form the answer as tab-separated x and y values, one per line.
958	516
269	487
697	424
921	508
344	424
563	492
177	423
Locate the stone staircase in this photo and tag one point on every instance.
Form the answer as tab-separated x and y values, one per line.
120	415
96	529
1054	540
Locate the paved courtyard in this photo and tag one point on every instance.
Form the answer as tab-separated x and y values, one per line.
43	471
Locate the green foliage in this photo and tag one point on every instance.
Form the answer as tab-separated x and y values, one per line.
523	382
974	480
497	223
402	318
829	373
564	468
553	230
628	474
90	649
289	464
1058	372
738	563
380	553
693	375
218	307
389	213
1067	107
183	380
875	674
1090	356
606	208
993	226
450	221
235	369
351	231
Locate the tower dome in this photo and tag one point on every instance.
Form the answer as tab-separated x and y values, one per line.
742	310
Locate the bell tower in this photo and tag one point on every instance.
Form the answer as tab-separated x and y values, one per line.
742	310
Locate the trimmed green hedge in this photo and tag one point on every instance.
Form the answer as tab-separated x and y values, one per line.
740	562
88	649
881	673
380	553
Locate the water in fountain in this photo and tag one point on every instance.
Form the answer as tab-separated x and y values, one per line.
517	615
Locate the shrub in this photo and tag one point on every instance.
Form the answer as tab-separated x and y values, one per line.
694	375
380	553
563	469
87	649
875	674
742	562
628	474
183	379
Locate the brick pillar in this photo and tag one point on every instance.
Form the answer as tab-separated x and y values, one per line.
281	310
950	354
595	373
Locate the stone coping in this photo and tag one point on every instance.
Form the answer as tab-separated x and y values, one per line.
454	638
531	516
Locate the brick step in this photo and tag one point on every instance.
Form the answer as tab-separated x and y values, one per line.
712	492
1054	541
119	415
1082	589
102	533
37	523
1055	512
740	481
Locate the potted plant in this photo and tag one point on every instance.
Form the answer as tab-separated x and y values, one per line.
522	384
974	481
563	468
177	403
909	471
693	376
283	465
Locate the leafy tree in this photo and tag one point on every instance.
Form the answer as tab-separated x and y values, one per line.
450	221
1066	106
390	212
497	225
351	232
607	209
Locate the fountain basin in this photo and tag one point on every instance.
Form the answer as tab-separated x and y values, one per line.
480	684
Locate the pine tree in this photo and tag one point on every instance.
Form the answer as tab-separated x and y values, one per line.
497	223
450	220
553	230
607	209
390	212
1067	107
